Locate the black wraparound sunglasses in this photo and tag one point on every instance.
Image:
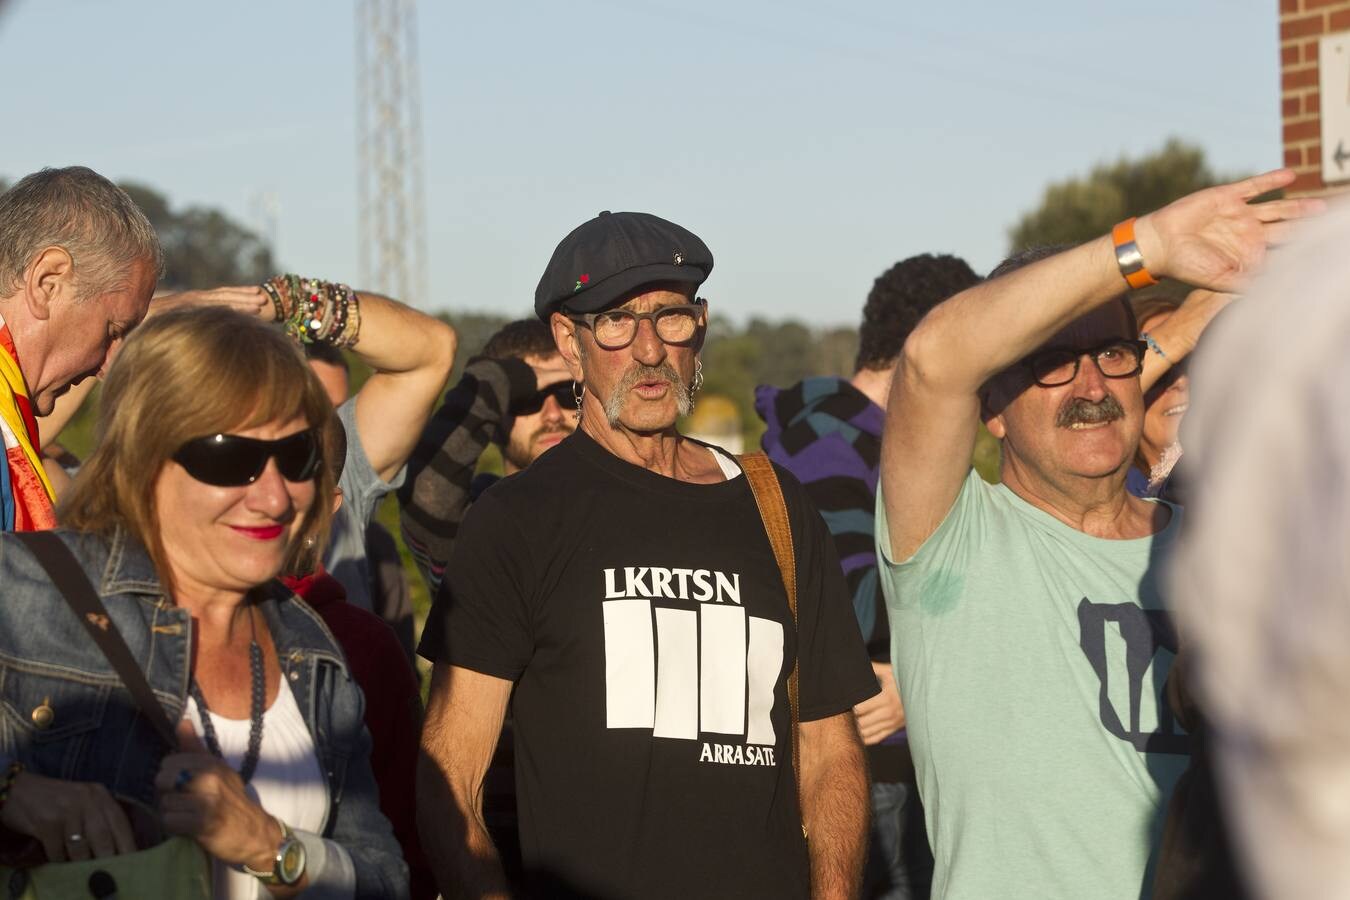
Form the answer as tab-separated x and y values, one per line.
561	392
229	460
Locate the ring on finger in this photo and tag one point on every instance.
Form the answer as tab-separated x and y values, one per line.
181	782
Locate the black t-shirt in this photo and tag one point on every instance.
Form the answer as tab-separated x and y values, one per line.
645	624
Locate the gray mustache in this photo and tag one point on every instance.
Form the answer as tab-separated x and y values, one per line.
1084	412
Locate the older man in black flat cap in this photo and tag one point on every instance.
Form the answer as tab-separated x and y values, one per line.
624	593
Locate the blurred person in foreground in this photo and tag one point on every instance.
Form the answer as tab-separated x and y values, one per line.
827	432
1262	577
1171	320
1029	629
206	479
517	393
565	578
78	264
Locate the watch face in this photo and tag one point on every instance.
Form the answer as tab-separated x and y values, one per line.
291	861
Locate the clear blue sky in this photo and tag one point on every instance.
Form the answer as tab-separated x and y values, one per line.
810	145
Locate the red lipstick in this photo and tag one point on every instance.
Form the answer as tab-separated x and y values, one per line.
262	532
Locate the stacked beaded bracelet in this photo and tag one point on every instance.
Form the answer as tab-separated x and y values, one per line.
274	295
315	311
11	773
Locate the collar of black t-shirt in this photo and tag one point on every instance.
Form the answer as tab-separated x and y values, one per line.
591	452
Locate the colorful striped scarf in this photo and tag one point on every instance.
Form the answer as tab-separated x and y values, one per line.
25	493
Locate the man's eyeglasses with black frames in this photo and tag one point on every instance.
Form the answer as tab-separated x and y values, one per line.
1120	358
615	329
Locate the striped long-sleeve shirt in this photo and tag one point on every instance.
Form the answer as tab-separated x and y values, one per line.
440	480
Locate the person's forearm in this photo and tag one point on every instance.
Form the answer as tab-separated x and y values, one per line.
986	328
455	840
834	805
1180	334
440	472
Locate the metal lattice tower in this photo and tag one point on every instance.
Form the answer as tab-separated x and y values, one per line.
392	230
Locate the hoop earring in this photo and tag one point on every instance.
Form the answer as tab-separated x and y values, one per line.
578	393
698	377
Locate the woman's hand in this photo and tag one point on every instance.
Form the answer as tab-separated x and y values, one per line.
202	798
74	820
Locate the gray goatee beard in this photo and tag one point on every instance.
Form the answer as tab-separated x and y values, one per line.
684	401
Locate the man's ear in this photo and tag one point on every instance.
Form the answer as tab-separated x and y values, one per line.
991	410
996	426
50	277
569	343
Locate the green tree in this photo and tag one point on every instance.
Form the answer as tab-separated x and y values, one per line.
203	247
1081	208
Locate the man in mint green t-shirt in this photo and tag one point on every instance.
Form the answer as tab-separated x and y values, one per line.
1029	638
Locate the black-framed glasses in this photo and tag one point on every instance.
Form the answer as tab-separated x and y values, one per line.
615	329
231	460
561	392
1121	358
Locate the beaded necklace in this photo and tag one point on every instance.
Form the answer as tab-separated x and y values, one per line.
257	691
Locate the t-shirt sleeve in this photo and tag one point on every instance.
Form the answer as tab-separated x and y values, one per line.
362	487
835	672
481	618
946	552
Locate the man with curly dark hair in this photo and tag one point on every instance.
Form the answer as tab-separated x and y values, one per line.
827	432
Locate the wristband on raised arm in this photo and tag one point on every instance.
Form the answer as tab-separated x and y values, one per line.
1128	257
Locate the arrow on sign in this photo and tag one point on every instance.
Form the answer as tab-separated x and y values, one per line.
1341	156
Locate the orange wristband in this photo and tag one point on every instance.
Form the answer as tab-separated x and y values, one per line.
1128	257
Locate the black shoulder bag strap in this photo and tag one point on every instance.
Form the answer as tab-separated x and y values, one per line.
68	575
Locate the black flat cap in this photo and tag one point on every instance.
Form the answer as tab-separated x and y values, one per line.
605	258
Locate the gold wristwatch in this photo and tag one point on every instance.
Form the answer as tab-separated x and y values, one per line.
289	864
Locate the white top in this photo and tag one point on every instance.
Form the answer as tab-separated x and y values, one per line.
288	782
730	468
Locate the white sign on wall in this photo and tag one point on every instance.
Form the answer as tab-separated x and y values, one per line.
1334	61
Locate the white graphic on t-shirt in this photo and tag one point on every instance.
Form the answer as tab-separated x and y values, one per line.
683	672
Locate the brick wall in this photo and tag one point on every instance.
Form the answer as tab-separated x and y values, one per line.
1302	22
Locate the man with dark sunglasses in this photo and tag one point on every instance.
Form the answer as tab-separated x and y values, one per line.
1029	632
516	394
623	595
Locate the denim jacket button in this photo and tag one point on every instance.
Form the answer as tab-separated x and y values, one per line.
43	715
295	676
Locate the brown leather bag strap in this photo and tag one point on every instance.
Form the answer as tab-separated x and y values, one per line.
768	493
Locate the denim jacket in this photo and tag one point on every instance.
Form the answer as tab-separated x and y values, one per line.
64	712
